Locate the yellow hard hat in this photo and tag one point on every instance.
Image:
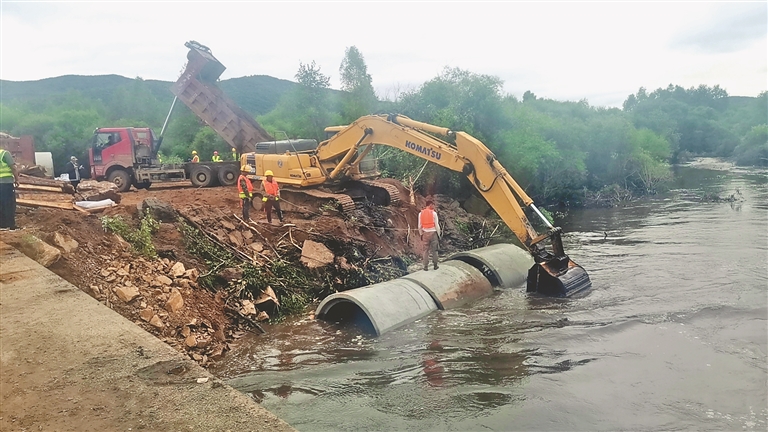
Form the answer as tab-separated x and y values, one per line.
269	173
246	168
194	151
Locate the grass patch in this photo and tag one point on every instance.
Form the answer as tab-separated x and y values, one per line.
140	239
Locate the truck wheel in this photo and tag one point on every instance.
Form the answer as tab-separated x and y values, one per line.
227	175
121	179
201	176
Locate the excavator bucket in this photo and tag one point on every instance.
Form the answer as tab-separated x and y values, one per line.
558	277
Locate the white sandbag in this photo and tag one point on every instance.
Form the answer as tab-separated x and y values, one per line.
95	204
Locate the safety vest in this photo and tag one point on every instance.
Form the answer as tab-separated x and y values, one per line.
195	159
270	187
248	184
427	219
234	154
216	158
5	169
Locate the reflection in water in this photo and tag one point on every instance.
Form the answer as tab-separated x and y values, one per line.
672	335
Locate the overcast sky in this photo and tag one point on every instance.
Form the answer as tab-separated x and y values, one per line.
599	51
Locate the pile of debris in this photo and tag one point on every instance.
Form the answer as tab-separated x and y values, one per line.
44	192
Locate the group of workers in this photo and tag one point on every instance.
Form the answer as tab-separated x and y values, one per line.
270	197
214	158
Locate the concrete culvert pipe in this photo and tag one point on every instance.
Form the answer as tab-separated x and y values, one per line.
454	284
505	265
385	306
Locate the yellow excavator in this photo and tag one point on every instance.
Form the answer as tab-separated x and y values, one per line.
328	170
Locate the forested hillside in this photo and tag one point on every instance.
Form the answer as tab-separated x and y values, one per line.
560	151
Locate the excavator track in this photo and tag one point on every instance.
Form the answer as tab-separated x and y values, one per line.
297	200
394	194
345	202
374	191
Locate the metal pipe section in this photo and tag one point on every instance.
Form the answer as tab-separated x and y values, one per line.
165	125
546	221
405	121
463	278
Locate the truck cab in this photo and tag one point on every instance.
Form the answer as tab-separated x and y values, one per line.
116	153
124	146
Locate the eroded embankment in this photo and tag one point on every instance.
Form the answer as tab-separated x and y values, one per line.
214	276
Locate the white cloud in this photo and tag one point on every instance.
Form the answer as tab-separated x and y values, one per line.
564	51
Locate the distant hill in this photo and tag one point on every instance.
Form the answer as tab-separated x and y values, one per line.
256	94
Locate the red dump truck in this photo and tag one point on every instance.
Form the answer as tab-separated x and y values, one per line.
128	156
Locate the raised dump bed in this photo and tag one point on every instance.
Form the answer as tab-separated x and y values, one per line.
463	278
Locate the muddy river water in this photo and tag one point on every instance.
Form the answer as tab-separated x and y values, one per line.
672	336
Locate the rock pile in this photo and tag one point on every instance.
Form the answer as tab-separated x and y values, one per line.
160	295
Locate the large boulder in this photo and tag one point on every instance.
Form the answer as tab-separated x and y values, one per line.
160	210
231	273
177	270
127	293
39	250
316	255
64	242
175	301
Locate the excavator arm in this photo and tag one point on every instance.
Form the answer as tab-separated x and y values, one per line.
553	274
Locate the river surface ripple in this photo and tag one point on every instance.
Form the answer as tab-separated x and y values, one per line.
673	335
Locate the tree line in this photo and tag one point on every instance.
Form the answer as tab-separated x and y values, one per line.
559	151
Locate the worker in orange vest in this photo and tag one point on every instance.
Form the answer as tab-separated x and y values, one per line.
245	187
429	230
271	196
195	158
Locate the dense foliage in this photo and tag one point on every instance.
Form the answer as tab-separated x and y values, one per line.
558	151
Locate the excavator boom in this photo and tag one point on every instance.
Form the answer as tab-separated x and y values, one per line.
554	272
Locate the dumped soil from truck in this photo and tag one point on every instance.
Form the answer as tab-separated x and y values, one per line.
194	298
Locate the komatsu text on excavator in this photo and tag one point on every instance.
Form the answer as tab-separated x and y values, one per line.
338	170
